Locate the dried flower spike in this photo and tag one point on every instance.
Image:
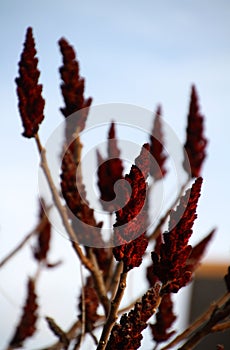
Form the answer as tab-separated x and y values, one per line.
198	252
152	279
157	167
72	89
26	326
44	236
127	335
196	142
75	196
31	102
109	172
130	226
170	266
164	320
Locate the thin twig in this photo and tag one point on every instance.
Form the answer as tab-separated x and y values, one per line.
38	228
113	314
198	322
221	327
98	281
110	274
70	334
115	279
111	262
94	338
82	310
58	332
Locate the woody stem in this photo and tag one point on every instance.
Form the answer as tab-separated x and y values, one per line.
113	314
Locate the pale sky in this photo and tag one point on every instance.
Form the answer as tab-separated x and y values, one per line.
137	52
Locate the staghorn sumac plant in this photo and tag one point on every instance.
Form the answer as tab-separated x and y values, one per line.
172	260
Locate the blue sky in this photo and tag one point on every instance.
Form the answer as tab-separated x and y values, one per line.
141	53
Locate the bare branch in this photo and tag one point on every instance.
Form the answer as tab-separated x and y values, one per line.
198	322
113	314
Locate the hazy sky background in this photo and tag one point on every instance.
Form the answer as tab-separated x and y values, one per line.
137	52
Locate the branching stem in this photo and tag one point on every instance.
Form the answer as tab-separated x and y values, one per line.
198	322
113	314
98	281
